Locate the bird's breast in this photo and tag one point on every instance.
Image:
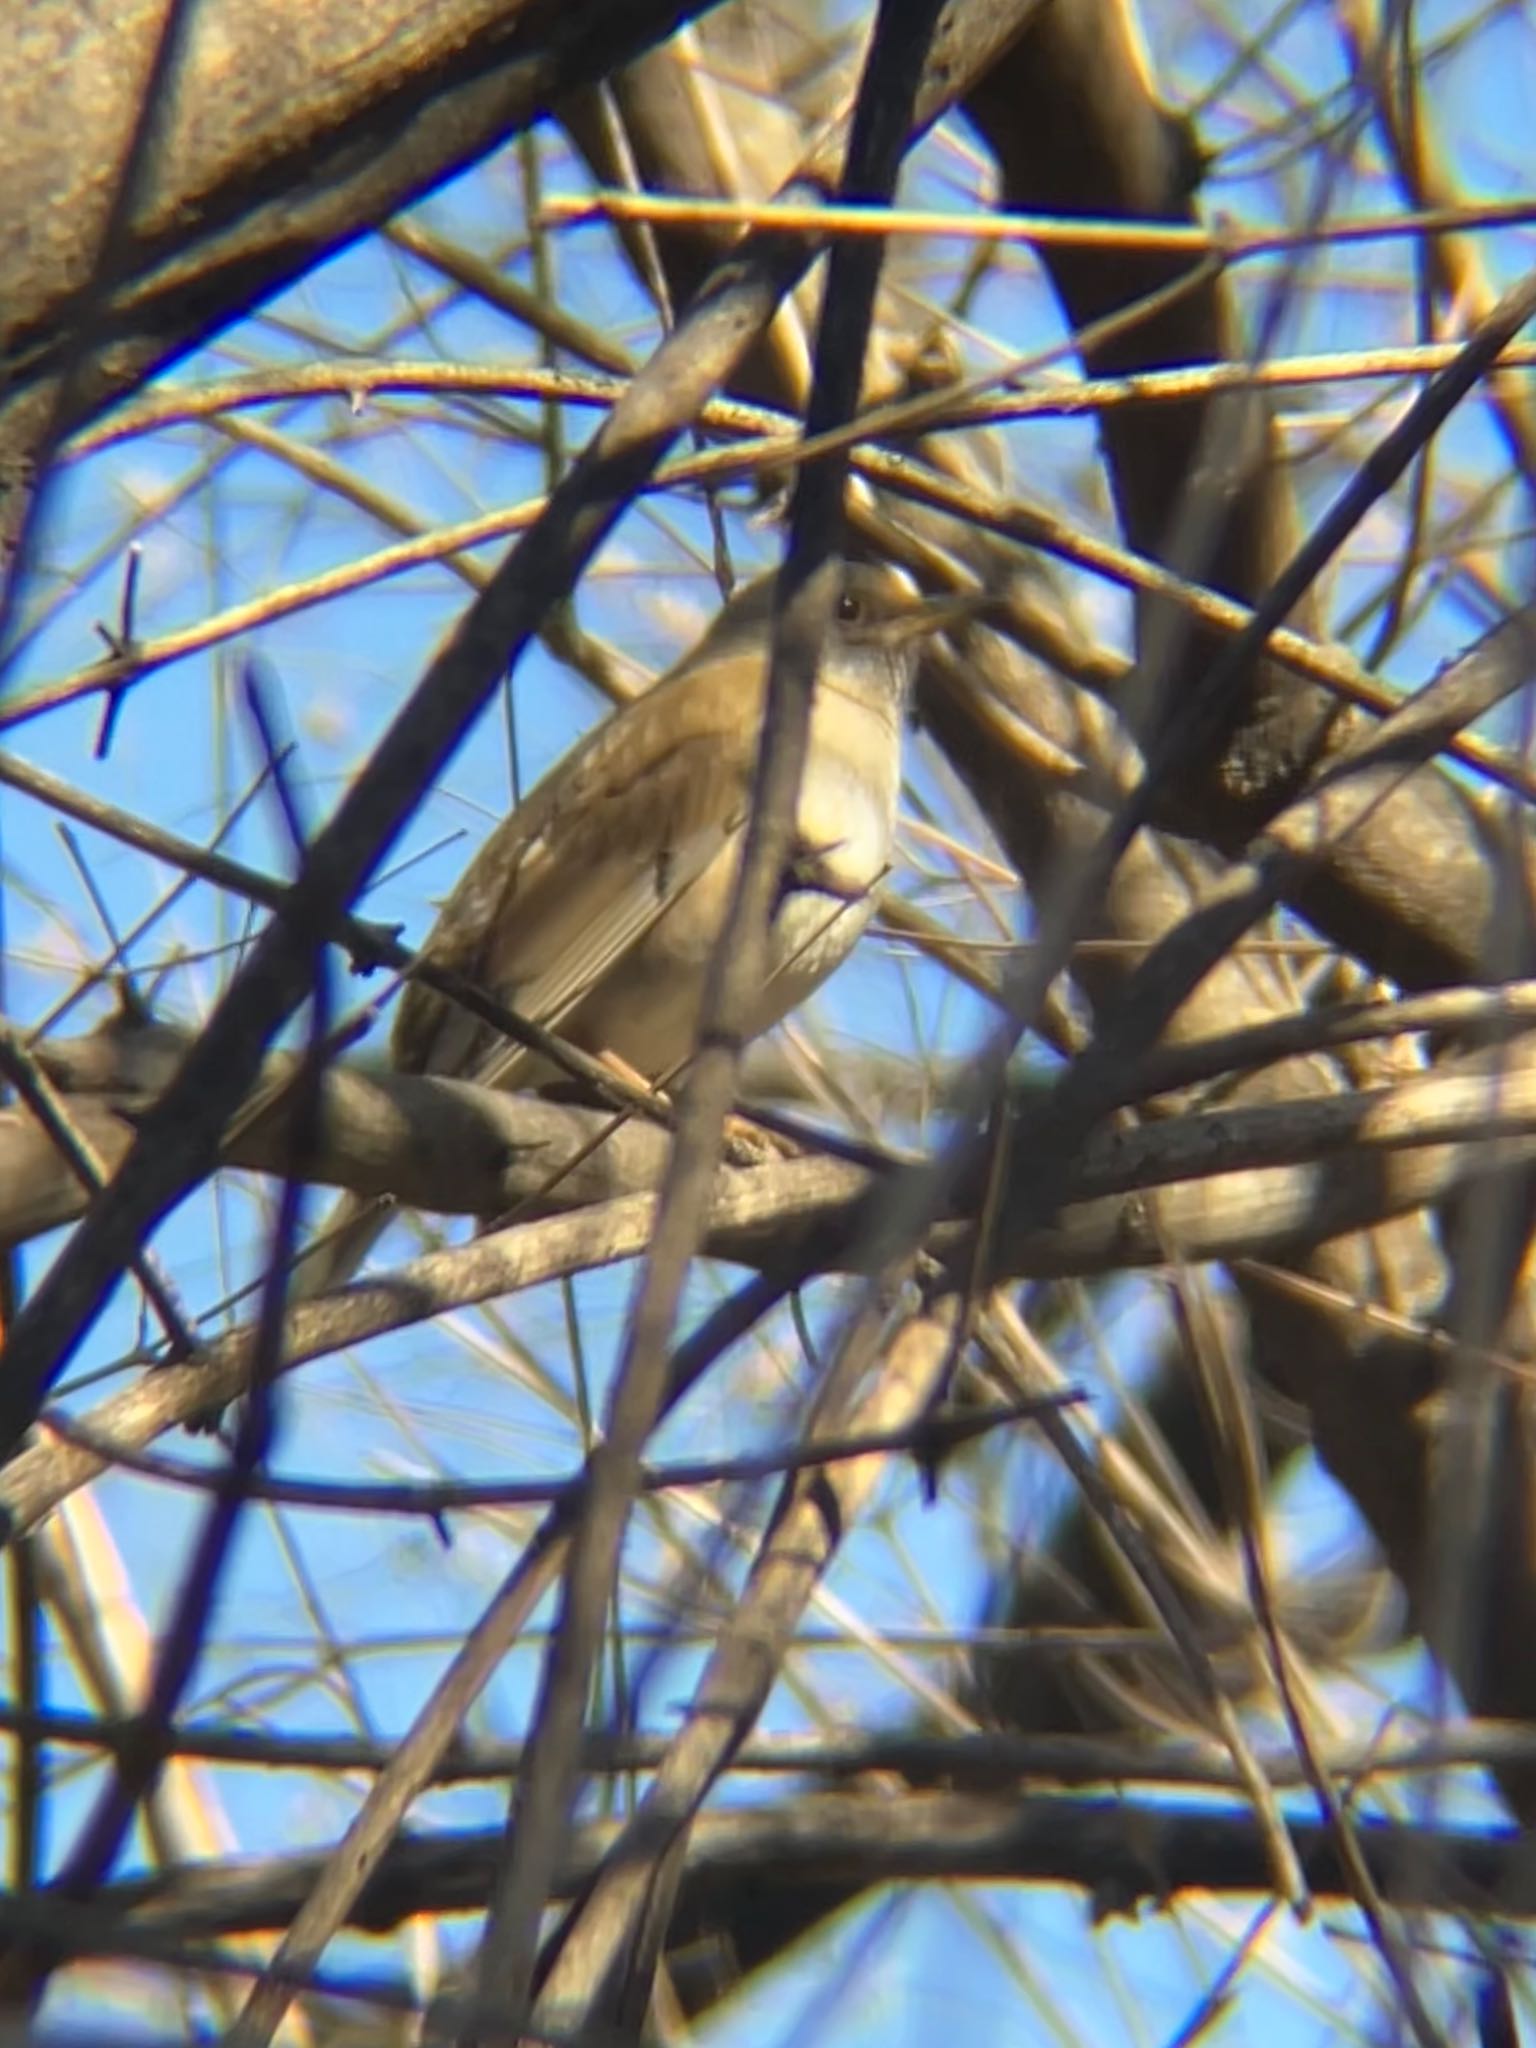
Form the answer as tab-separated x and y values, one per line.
841	849
845	819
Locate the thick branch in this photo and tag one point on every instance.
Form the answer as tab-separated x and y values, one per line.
1123	1851
290	129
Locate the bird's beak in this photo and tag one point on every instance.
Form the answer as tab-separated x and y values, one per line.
930	615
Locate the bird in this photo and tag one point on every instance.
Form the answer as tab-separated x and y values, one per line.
593	908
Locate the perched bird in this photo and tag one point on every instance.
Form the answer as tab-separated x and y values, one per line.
593	908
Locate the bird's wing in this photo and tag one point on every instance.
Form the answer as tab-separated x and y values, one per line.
599	877
566	886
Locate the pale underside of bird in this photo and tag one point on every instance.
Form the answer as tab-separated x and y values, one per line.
593	909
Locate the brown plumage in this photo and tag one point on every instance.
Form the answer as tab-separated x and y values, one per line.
593	908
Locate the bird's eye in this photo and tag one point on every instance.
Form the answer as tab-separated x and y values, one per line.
850	609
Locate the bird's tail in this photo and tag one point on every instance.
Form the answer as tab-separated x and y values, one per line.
343	1242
